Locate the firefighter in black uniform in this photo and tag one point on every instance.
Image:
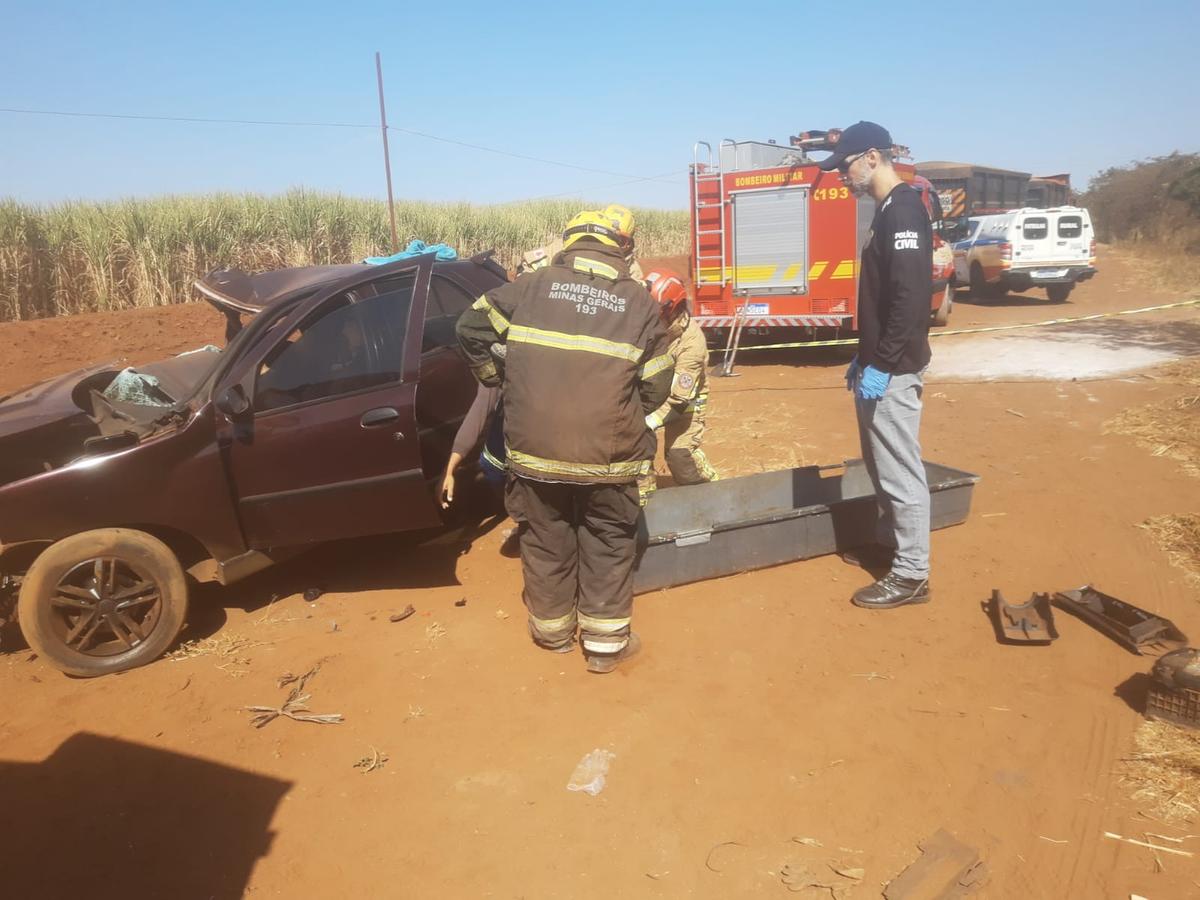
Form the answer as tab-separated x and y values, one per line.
895	293
586	360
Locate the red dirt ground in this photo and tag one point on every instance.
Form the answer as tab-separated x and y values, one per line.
765	708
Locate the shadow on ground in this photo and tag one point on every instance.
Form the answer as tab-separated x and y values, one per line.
1179	337
422	559
1011	300
103	818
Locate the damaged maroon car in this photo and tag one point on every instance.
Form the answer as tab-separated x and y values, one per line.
329	415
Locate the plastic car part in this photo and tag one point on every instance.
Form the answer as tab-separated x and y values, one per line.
1130	626
1031	622
1174	692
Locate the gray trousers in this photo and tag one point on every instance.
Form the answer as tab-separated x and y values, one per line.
888	430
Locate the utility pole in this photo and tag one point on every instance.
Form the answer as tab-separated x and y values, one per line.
387	161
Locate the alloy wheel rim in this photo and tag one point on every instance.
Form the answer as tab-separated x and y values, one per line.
105	607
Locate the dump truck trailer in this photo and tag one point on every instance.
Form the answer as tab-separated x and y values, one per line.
970	190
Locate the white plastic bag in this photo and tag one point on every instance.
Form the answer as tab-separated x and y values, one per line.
589	774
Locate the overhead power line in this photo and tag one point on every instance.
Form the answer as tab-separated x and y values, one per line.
306	124
90	115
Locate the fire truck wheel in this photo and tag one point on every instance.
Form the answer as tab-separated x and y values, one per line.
941	315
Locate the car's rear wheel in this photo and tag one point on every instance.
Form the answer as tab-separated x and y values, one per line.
978	283
941	315
1058	293
103	601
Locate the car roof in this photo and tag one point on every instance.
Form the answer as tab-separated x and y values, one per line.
235	290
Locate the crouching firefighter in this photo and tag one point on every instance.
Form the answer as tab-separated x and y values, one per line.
586	360
682	416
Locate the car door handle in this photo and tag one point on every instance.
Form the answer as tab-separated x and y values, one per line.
380	416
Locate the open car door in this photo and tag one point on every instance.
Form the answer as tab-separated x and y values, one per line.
317	421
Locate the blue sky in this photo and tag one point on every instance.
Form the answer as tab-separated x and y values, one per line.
626	88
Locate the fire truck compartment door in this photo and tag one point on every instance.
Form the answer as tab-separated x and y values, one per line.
770	241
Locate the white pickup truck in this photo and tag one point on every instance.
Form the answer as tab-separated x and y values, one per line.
1050	248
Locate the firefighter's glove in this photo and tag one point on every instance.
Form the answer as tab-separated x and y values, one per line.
872	383
658	418
852	374
487	374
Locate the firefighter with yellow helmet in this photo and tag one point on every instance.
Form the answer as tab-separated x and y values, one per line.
623	222
585	360
682	415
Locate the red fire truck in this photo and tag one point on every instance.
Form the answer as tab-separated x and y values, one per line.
776	241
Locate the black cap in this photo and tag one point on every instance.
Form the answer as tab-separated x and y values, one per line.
858	138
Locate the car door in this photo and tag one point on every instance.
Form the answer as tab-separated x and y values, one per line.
1072	244
962	249
327	446
447	386
1031	241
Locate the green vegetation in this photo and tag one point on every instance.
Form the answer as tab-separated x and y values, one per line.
1155	201
81	257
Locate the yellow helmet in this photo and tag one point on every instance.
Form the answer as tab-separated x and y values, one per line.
622	218
590	223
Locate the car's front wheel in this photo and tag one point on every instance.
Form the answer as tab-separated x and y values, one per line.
941	315
103	601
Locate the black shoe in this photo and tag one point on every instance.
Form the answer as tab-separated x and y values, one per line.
892	590
603	663
511	547
869	556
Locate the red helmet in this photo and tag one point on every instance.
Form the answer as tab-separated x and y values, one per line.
668	292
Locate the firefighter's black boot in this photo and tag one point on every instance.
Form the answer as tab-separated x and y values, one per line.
603	663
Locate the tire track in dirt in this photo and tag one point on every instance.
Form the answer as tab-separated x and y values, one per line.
1077	872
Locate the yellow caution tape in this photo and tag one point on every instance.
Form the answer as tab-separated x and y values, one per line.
846	342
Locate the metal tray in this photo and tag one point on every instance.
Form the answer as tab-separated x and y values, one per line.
737	524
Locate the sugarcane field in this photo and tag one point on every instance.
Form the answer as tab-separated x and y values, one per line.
563	485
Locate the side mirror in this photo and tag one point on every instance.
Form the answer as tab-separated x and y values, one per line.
233	402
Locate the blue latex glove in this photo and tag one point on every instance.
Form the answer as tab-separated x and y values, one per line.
873	383
852	374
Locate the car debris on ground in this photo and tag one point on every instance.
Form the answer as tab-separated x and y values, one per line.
1134	628
1031	622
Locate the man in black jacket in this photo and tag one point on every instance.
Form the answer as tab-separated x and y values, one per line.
894	294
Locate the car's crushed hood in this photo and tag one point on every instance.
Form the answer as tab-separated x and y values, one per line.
46	402
93	411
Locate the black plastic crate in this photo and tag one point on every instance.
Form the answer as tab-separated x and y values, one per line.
738	524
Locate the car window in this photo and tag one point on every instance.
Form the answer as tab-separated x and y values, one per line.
352	343
1034	228
1070	226
447	301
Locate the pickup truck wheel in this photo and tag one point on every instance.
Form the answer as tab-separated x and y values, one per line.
1058	293
103	601
941	315
979	286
